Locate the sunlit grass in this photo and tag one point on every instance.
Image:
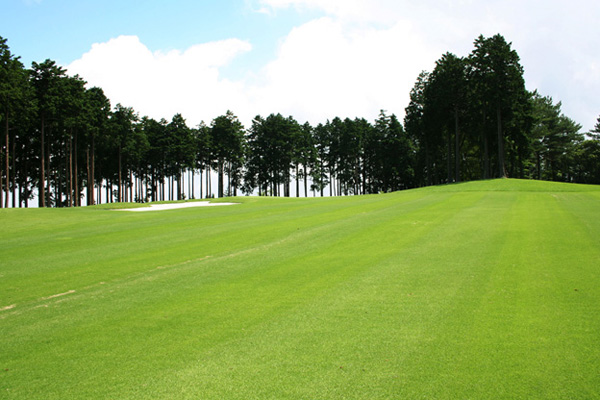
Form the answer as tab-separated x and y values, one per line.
476	290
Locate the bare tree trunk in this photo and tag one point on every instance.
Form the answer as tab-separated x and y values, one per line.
120	183
70	192
1	184
90	185
220	181
321	180
456	148
201	191
331	184
449	157
486	151
428	163
41	187
305	182
191	186
48	184
161	187
131	198
94	170
486	158
179	188
7	162
76	172
297	182
501	169
208	181
229	180
14	174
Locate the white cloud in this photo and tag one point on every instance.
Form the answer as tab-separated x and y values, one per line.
557	40
326	69
359	57
323	69
160	84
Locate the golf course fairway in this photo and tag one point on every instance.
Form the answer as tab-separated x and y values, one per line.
479	290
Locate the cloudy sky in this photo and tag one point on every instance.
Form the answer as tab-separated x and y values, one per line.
312	59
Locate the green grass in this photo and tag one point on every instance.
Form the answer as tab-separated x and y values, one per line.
470	291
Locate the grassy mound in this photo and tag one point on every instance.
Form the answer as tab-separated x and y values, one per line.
475	290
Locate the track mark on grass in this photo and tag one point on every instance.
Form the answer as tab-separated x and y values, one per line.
58	295
181	263
8	307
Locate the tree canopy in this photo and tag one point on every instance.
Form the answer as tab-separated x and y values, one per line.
470	118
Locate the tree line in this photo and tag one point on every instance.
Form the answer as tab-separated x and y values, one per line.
470	118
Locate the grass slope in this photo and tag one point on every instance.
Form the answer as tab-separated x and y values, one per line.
476	290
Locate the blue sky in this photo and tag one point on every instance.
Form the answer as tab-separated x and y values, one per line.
313	59
65	29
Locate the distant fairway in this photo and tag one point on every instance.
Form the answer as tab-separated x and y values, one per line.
478	290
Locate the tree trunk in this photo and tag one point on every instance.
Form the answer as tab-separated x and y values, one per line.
90	188
486	158
449	157
76	172
208	182
70	192
99	201
297	182
200	182
1	184
162	188
170	188
486	154
7	163
179	188
93	169
456	148
331	185
220	182
501	169
120	183
229	180
428	163
42	189
191	175
321	179
305	178
14	174
131	198
48	172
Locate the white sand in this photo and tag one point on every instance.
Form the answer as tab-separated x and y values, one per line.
173	206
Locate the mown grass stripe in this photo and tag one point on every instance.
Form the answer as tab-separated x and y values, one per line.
430	293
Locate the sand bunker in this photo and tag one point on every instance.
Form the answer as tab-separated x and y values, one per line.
173	206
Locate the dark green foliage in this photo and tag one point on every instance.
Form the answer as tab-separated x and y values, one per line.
227	144
388	156
16	108
497	80
274	146
554	140
470	118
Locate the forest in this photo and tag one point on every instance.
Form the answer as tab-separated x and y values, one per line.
470	118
